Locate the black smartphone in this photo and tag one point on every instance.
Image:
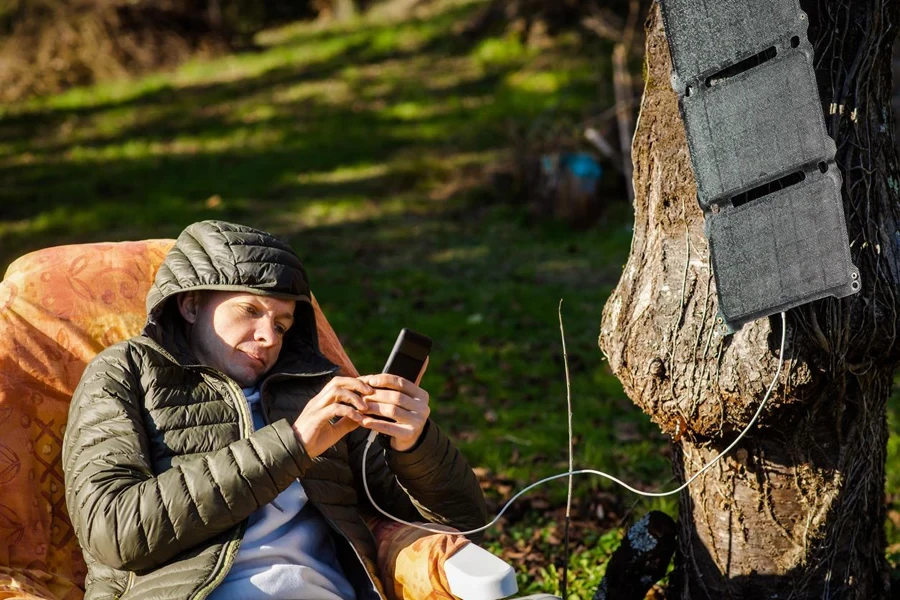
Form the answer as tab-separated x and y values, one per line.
406	359
408	356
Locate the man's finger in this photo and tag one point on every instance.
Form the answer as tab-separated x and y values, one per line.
394	382
352	384
392	397
342	396
343	415
398	407
387	427
390	411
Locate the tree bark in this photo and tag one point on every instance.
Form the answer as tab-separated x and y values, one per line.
797	510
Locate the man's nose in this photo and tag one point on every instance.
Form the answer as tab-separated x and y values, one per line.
265	332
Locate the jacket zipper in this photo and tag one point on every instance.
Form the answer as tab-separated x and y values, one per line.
129	583
229	552
334	527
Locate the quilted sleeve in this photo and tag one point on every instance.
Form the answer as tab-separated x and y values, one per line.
431	481
128	517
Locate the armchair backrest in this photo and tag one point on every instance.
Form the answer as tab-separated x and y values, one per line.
58	308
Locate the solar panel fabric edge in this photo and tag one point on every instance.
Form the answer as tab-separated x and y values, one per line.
741	29
798	251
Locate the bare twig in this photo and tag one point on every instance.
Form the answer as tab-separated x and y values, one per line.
604	147
562	334
604	24
622	88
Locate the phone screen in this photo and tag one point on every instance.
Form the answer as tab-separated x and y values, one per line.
405	366
409	354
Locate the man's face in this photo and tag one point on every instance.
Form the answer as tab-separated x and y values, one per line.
238	334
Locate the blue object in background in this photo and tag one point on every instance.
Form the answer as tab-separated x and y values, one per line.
580	168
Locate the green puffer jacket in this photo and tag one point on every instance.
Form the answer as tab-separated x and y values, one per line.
162	465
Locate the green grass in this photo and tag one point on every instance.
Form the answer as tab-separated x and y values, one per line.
368	146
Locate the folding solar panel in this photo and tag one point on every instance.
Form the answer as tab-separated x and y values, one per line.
764	164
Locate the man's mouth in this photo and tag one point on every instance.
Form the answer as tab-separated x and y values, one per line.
256	358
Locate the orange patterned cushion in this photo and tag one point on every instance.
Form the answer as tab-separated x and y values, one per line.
411	560
58	308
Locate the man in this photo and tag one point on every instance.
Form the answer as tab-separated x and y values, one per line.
217	454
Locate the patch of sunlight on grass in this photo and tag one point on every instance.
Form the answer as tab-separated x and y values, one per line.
427	131
296	31
455	77
396	39
310	32
329	91
111	122
539	83
418	169
461	254
241	66
255	113
344	174
342	211
408	111
413	77
98	217
333	211
501	51
112	92
395	70
245	139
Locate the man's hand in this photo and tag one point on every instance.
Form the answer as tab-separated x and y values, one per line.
400	400
341	397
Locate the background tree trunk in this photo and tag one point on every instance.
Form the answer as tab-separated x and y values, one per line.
798	509
344	9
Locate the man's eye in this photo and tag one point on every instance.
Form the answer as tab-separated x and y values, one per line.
250	310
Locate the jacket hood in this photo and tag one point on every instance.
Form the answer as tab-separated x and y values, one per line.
215	255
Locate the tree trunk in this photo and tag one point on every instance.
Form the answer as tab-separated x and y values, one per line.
797	510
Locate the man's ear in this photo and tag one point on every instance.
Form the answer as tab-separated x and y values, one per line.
188	305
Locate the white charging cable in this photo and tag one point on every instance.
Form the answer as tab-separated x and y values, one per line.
762	404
